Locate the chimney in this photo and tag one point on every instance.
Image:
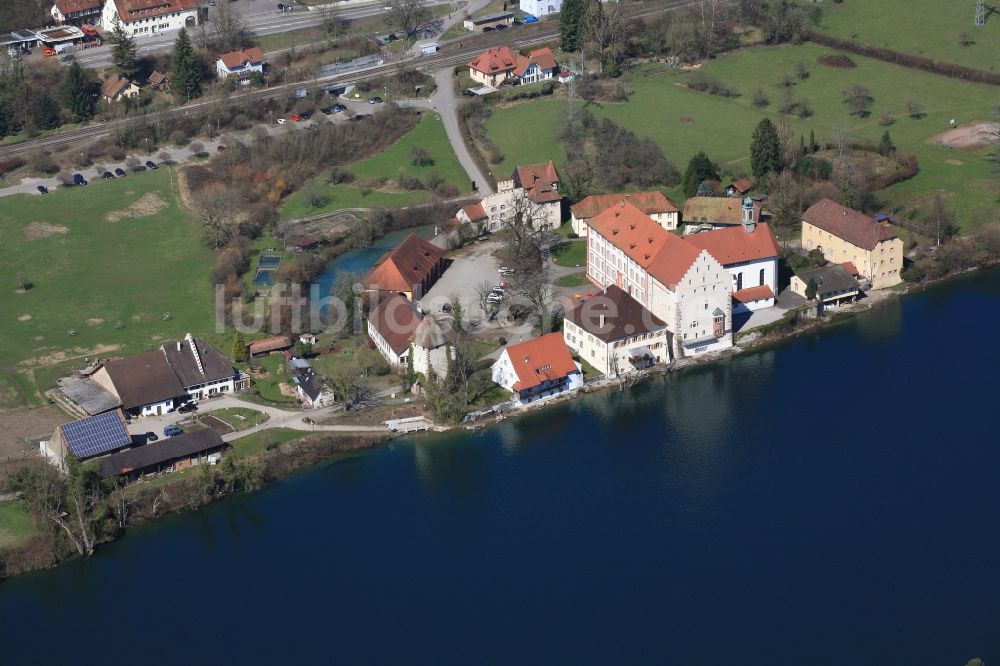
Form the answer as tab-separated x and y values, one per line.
602	321
194	352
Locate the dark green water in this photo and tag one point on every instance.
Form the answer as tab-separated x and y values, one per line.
831	501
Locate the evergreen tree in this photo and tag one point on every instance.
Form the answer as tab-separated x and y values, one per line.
571	24
811	289
812	142
885	146
410	376
187	73
239	352
77	93
699	169
4	121
123	50
46	113
802	145
765	150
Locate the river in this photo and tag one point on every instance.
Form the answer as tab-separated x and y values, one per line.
832	500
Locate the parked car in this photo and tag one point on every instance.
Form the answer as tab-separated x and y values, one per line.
306	115
487	29
391	37
337	108
151	437
187	408
172	430
48	51
468	93
517	21
359	117
501	27
42	189
107	175
375	100
528	18
68	58
295	117
150	164
78	179
120	172
494	298
326	110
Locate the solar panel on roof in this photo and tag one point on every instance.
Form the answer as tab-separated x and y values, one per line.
95	435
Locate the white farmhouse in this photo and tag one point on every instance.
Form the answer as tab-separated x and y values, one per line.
240	65
150	17
537	368
678	282
203	371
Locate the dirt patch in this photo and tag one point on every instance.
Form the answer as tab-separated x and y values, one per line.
69	354
954	162
971	137
148	204
217	424
95	322
287	390
24	317
38	338
19	424
687	120
838	60
40	230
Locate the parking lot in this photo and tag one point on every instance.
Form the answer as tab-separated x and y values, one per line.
472	265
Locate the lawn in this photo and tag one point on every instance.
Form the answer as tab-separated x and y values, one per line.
239	418
149	272
927	28
571	253
683	121
257	442
268	387
429	134
15	524
573	280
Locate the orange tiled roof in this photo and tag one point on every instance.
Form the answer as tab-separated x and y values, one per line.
851	269
114	86
734	245
541	57
540	359
742	186
475	211
137	10
235	59
495	61
648	202
72	6
540	181
751	294
407	265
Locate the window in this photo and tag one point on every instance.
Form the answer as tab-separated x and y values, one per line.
762	277
739	281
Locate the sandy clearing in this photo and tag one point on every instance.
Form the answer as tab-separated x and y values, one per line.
40	230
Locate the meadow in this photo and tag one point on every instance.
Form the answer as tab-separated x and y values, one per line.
115	268
429	134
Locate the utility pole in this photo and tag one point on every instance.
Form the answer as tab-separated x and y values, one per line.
980	18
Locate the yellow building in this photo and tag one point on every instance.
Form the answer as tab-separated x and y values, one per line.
846	235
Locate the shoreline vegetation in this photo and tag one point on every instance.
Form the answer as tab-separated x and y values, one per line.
143	503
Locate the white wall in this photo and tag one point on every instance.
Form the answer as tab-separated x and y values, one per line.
751	278
383	347
144	26
540	7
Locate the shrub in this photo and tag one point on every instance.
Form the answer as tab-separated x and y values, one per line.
760	98
420	157
10	164
409	182
446	191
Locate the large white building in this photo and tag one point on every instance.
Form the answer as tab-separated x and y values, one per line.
532	191
683	285
149	17
537	368
540	7
655	204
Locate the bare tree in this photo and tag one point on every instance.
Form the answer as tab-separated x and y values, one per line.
330	19
215	206
840	137
408	15
483	291
859	100
228	29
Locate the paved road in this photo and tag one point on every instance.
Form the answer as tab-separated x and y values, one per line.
445	104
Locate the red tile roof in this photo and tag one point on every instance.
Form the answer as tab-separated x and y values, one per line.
114	86
648	202
72	6
540	359
851	269
734	245
137	10
540	181
159	78
475	211
495	61
236	59
742	186
846	223
395	318
751	294
411	263
541	57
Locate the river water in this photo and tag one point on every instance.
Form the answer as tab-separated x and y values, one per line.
833	500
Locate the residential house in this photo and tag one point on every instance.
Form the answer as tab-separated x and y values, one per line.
655	204
540	8
537	368
203	371
409	269
490	21
613	332
718	212
145	384
117	88
150	17
189	449
396	327
843	234
538	186
474	214
241	64
87	438
834	283
682	284
538	65
159	81
76	12
312	390
493	67
750	254
739	188
275	343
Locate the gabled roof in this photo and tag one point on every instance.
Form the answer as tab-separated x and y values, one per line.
735	245
742	186
649	203
395	318
428	334
273	343
542	57
311	384
114	86
95	435
540	181
830	279
72	6
236	59
717	210
137	10
540	359
495	61
181	357
613	314
751	294
475	211
851	269
145	379
182	446
158	78
409	264
846	223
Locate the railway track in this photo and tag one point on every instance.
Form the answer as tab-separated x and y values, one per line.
450	58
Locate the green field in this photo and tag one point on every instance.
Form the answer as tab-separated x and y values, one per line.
927	28
570	254
257	442
15	524
429	134
573	280
88	273
239	418
683	121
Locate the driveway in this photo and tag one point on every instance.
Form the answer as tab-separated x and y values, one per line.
470	266
446	105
